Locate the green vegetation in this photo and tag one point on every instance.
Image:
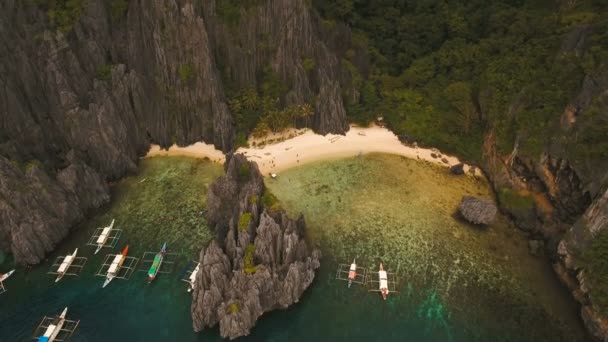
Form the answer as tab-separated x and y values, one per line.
230	10
244	172
270	201
249	266
511	200
118	8
185	72
446	72
253	200
104	72
244	221
596	266
241	140
233	308
260	112
63	14
32	164
308	64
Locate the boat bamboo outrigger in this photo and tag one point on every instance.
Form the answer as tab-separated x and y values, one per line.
351	273
191	276
3	277
55	329
105	237
118	266
69	265
152	262
386	282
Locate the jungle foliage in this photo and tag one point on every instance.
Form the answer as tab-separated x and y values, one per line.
445	72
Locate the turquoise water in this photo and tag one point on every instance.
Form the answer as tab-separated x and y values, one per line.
459	283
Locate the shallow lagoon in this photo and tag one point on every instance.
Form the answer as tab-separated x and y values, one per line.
458	282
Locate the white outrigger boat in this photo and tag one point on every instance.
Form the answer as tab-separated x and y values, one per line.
68	265
105	237
383	282
50	329
3	277
386	282
119	259
351	273
54	328
191	279
118	266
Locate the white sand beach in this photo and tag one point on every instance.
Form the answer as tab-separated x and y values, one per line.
310	147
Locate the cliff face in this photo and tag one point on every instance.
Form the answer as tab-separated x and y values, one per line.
260	260
281	35
574	269
83	101
566	186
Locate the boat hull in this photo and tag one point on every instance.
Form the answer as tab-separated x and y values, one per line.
54	329
107	281
155	268
6	275
192	282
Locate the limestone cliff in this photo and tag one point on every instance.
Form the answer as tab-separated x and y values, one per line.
574	266
260	260
559	195
85	91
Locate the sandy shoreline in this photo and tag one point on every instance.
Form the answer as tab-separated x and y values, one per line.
310	147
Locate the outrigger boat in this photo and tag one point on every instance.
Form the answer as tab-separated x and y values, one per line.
387	281
69	265
67	262
152	262
118	266
351	273
54	328
119	259
191	278
383	281
103	237
157	263
3	277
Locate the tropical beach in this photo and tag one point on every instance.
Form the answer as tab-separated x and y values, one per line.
298	147
304	170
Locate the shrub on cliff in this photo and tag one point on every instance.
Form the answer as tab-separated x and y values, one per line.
249	266
63	14
513	201
244	221
596	270
270	201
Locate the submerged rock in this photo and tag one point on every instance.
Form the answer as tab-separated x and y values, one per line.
477	211
259	261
